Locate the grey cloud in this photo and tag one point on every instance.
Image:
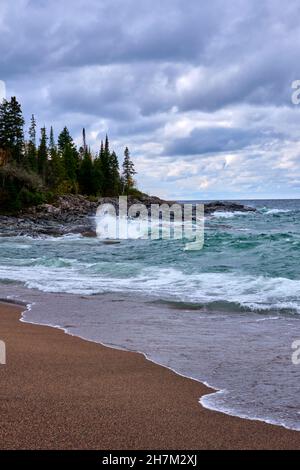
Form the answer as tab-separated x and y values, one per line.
134	68
216	140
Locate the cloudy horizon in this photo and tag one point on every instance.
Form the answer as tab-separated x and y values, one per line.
201	93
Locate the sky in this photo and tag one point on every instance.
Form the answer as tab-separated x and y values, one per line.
199	91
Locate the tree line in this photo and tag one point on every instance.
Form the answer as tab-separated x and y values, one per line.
34	169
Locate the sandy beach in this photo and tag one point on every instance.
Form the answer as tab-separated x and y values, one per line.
61	392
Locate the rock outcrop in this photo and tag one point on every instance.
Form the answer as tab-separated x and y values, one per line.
75	214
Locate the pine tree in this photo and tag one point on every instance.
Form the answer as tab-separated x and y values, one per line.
84	141
52	145
83	149
43	154
97	177
65	139
69	163
17	123
11	129
85	177
106	147
5	152
109	169
115	174
62	168
6	137
105	168
31	153
128	172
69	155
55	165
101	149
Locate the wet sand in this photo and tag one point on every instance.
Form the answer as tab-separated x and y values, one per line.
61	392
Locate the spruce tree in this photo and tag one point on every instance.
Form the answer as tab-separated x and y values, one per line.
31	153
64	139
62	168
105	168
84	141
97	178
55	166
106	147
43	154
101	149
69	163
6	137
17	123
67	151
11	129
83	149
109	170
85	177
115	174
128	172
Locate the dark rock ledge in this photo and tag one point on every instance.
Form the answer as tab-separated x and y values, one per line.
75	214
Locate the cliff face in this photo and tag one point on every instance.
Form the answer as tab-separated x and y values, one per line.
75	214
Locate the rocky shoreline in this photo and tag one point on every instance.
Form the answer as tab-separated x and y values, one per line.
75	214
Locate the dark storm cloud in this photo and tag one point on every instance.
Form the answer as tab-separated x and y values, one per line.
167	77
215	140
242	55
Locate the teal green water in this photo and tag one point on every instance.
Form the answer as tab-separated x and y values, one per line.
249	260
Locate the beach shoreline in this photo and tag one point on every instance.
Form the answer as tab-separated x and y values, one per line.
62	392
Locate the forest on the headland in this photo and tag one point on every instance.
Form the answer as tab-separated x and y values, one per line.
38	168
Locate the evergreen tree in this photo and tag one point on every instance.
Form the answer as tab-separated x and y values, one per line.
17	123
55	165
109	170
105	168
83	150
97	178
43	154
84	141
101	149
115	174
5	128
69	163
65	139
11	129
85	177
31	153
52	145
106	148
69	155
128	172
60	167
